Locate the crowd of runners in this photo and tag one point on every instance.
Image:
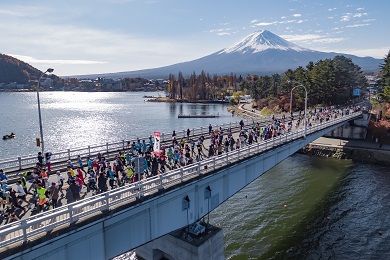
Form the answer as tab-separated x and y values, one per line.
97	174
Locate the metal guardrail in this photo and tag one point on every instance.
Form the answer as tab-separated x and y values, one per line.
30	228
28	161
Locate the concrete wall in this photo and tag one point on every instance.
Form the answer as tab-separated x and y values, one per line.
348	132
356	129
175	247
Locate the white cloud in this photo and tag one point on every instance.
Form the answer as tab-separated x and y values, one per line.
378	53
328	40
289	21
10	13
30	59
359	14
223	33
48	44
218	31
24	11
360	9
300	37
311	38
277	22
357	25
264	24
254	21
296	15
331	9
346	17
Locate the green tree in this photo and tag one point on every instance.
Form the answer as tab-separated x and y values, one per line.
172	86
385	70
180	84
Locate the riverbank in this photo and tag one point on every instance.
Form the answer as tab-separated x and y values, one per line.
356	150
167	99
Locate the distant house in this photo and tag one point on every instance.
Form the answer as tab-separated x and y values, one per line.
87	85
21	86
111	84
46	82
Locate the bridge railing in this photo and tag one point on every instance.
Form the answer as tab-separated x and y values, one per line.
29	161
30	228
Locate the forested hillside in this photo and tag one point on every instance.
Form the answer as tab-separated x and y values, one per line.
14	70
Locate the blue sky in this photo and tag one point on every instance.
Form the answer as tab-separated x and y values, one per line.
101	36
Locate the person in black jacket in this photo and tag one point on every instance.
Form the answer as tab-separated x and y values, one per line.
154	166
74	189
40	159
102	182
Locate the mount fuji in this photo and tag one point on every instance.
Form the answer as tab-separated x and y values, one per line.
260	53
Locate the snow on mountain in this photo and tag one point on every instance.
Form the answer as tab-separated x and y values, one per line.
261	41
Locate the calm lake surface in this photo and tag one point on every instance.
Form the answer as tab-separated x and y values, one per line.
336	209
79	119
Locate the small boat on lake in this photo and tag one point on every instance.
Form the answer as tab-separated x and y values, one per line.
10	136
197	116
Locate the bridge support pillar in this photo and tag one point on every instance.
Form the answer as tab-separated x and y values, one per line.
182	245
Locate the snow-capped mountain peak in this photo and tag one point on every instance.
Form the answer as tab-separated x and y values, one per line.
260	41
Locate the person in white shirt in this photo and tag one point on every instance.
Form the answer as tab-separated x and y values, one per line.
21	193
60	182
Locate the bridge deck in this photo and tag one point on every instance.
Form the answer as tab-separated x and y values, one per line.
41	227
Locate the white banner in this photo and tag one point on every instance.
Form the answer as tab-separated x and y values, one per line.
156	145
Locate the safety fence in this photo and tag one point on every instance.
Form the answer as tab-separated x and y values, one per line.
59	159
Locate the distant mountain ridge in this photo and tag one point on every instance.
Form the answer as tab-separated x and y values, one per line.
260	53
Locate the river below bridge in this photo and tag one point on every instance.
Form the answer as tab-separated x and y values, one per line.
308	208
335	209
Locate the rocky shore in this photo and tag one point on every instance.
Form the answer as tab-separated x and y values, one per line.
356	150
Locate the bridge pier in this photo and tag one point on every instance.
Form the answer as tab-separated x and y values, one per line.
182	245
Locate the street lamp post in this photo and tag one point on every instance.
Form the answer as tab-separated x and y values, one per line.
291	99
49	70
305	115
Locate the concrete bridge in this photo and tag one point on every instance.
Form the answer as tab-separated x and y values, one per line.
109	224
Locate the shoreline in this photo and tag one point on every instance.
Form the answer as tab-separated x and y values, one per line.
355	150
169	100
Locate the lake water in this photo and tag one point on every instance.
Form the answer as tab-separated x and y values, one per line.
336	209
79	119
